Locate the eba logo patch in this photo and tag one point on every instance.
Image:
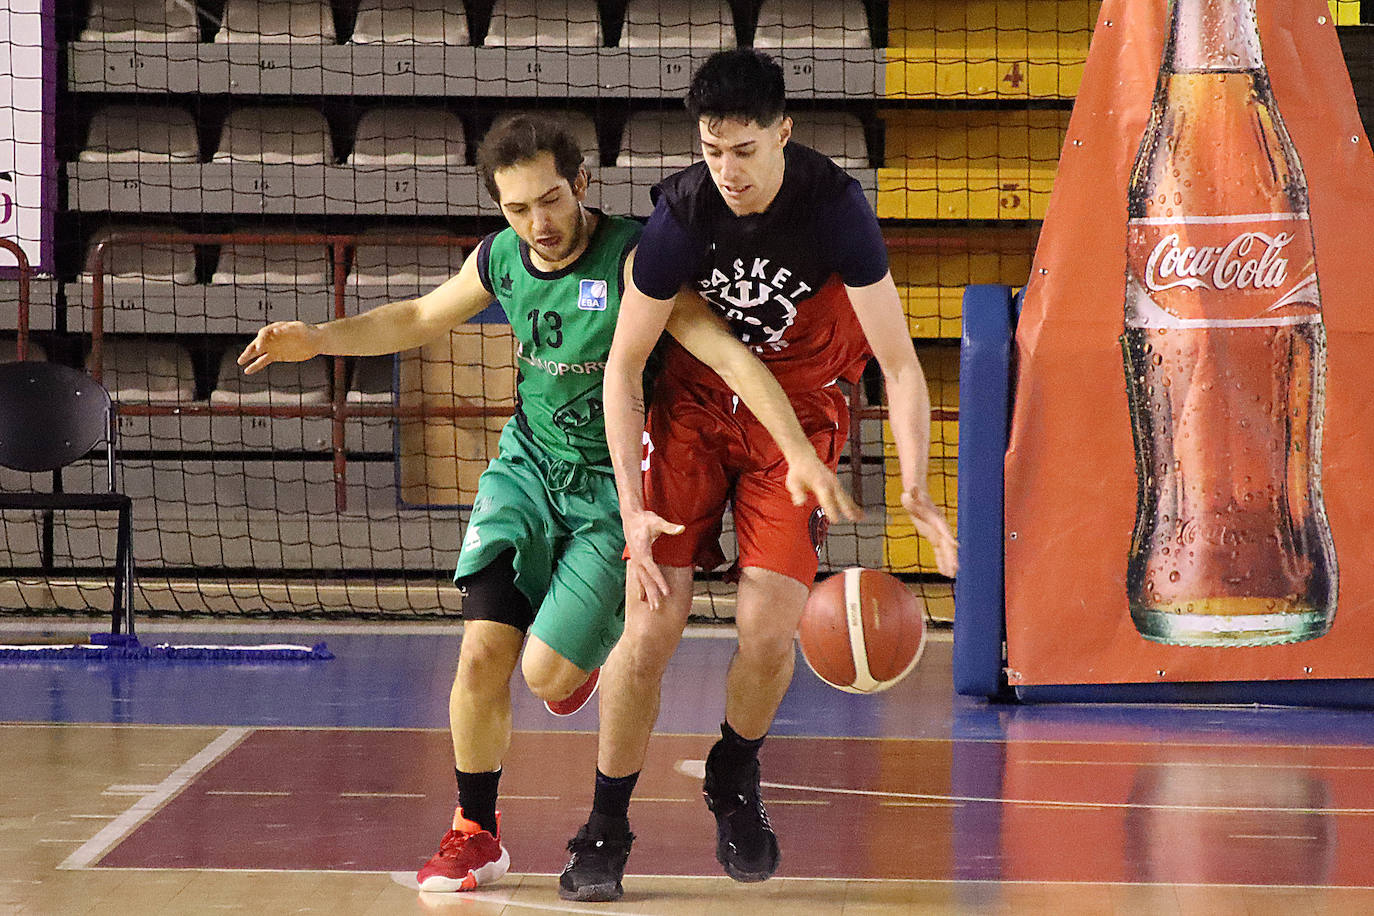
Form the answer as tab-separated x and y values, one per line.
591	296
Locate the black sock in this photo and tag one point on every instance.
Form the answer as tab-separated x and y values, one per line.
732	753
611	804
477	797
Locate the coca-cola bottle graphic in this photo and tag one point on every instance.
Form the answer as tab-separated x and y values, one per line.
1225	353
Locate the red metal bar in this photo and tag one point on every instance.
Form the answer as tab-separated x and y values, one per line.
338	410
417	411
21	260
339	402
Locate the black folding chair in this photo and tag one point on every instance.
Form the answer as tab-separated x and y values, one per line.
50	416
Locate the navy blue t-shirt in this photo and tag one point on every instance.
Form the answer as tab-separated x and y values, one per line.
671	256
778	277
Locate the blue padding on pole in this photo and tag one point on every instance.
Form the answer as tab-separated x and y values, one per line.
1356	693
984	419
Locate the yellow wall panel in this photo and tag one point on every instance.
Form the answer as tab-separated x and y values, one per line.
1346	12
970	164
903	550
931	282
988	48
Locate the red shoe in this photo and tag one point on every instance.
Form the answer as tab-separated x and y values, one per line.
468	857
577	699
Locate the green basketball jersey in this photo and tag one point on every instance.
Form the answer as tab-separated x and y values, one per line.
563	324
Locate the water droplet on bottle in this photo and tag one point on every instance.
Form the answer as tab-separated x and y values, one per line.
1173	576
1158	360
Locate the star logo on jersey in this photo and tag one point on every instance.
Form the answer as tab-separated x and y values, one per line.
505	283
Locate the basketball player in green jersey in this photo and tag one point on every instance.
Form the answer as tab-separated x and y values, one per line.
541	563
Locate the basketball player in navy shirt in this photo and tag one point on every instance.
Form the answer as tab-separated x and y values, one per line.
783	244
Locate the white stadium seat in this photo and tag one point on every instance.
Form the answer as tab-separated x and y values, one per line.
678	24
280	384
141	371
277	22
141	133
409	137
400	265
148	262
837	134
276	136
372	380
581	124
287	265
411	22
660	138
141	20
544	23
812	24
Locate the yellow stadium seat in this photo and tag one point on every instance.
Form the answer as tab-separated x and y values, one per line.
1345	12
903	551
970	164
442	458
988	48
931	272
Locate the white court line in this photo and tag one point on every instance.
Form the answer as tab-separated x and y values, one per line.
1270	836
249	792
502	896
1050	803
381	794
403	877
695	767
1199	764
180	778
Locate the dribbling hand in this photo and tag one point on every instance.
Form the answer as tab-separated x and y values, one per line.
641	530
930	524
280	342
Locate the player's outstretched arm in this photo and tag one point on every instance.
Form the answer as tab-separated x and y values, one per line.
637	329
385	329
879	309
705	335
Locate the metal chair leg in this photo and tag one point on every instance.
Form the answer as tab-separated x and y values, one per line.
123	584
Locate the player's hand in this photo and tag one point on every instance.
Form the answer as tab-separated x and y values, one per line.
641	530
281	342
930	524
810	476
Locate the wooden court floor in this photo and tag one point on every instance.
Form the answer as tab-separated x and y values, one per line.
319	789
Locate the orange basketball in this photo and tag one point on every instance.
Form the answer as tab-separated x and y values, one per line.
862	631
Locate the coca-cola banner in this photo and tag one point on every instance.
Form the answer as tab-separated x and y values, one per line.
1190	480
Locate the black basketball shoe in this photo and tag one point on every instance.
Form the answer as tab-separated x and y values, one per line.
595	866
746	845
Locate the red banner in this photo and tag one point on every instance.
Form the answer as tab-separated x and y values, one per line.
1192	450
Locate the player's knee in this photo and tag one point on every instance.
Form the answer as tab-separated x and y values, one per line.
644	661
551	680
483	669
767	654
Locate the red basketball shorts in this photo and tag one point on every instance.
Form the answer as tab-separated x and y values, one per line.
704	450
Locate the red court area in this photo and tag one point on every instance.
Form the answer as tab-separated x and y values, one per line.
379	801
843	807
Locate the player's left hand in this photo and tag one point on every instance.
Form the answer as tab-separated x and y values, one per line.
931	524
810	476
641	530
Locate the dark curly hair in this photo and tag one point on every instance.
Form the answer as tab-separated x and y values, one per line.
519	138
741	84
